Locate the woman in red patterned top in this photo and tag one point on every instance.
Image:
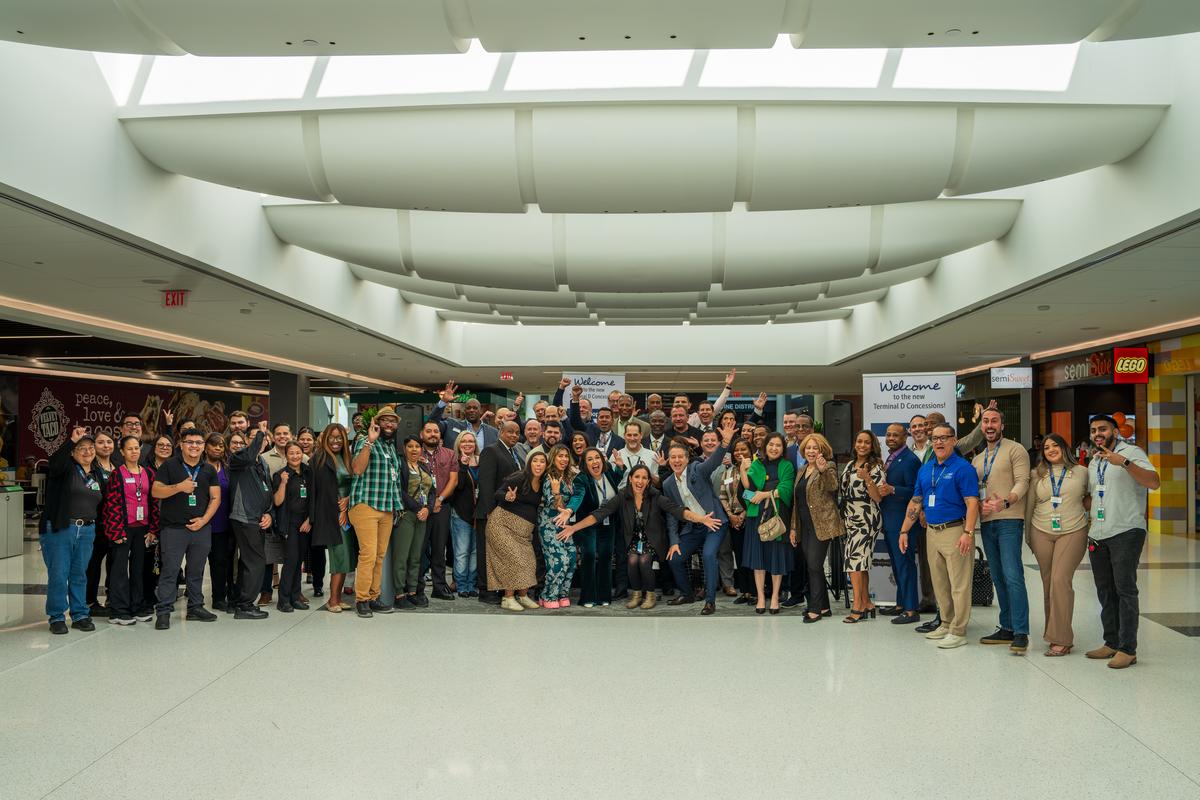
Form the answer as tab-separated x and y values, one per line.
131	524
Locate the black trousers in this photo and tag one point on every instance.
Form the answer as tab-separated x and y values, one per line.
253	560
1114	567
101	557
926	581
814	551
220	566
177	544
125	591
433	552
620	568
151	562
743	578
316	561
289	575
481	556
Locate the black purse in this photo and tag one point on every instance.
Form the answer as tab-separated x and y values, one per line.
982	590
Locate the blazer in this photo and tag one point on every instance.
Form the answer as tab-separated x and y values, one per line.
585	485
495	464
451	428
699	482
821	497
655	507
326	530
589	429
902	476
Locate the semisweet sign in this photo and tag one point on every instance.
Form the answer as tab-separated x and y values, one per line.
1131	365
175	298
1093	367
1012	377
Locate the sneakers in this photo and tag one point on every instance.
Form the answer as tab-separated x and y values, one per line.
940	632
379	608
122	621
403	603
551	604
250	612
1103	651
200	614
588	605
419	600
1000	636
163	622
950	641
363	610
1020	643
144	616
1121	660
97	610
84	624
525	602
511	604
564	602
58	627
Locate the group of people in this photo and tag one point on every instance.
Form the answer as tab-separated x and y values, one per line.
519	511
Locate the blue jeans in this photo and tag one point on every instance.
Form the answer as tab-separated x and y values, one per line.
66	554
1002	544
693	537
462	535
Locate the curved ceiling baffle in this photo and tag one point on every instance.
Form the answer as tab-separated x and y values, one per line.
365	27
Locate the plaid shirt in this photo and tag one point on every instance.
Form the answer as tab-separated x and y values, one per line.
377	486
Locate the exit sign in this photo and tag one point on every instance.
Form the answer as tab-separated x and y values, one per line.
175	298
506	376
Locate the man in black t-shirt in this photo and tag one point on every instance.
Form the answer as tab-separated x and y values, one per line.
189	493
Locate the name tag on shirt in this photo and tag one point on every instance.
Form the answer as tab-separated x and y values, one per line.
932	501
141	513
131	480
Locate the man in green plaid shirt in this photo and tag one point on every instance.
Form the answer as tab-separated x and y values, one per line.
374	496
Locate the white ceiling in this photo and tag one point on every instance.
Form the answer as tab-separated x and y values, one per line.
319	27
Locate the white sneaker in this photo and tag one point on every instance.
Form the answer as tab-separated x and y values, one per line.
589	605
510	604
525	602
940	633
951	641
121	621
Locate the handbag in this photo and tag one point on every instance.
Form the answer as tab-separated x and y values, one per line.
982	590
773	528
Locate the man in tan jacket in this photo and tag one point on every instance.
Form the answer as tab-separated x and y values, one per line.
1003	470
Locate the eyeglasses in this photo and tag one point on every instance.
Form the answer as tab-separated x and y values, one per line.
940	438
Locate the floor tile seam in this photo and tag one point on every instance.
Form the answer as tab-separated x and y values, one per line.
167	711
1032	664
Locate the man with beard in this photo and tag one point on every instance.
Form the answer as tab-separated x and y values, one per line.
496	462
374	498
1119	476
901	470
484	434
1003	470
443	465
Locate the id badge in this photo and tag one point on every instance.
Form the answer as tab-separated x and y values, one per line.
95	487
639	548
192	500
1056	501
1100	514
932	500
393	471
983	488
303	491
141	513
1055	524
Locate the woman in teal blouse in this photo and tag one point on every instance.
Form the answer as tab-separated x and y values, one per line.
769	478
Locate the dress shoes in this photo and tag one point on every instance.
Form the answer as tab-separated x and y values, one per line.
708	610
200	614
1121	660
930	626
163	622
1103	652
250	612
682	600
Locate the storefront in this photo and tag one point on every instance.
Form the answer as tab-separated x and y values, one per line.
1174	415
977	390
1075	389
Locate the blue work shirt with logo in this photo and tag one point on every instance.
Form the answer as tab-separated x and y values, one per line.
950	483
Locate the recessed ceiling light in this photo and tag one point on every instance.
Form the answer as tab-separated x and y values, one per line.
245	311
308	330
1043	308
39	263
1090	328
155	281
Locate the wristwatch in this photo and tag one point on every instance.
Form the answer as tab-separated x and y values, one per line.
1006	504
1127	463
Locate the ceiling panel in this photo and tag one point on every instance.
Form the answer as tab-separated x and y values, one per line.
511	251
781	248
651	253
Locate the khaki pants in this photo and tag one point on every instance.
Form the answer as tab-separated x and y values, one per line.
374	531
1058	554
951	573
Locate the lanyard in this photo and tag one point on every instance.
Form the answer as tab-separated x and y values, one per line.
988	463
935	476
1101	468
602	485
192	473
88	480
1056	487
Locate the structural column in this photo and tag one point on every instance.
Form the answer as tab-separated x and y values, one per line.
289	399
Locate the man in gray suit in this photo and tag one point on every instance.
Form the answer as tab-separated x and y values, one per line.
690	485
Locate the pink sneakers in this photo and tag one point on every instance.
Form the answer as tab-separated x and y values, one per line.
549	603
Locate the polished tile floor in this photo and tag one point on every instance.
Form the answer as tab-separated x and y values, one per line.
580	705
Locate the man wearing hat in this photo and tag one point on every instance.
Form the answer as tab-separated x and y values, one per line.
374	497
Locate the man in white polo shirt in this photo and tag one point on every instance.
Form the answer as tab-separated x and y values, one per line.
1119	476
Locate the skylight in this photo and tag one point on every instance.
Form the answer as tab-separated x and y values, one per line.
375	75
1035	68
190	79
119	71
599	69
784	65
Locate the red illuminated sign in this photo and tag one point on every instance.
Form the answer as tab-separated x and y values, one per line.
1131	365
174	298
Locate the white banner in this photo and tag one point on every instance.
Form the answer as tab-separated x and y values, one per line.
596	386
1012	377
898	397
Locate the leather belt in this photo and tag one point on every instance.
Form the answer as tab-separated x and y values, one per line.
79	523
953	524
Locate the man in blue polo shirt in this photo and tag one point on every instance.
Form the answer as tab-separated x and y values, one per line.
947	491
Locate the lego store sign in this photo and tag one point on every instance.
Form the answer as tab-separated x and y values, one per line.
1131	365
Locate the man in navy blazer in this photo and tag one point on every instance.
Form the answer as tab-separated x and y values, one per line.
485	435
690	485
901	478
